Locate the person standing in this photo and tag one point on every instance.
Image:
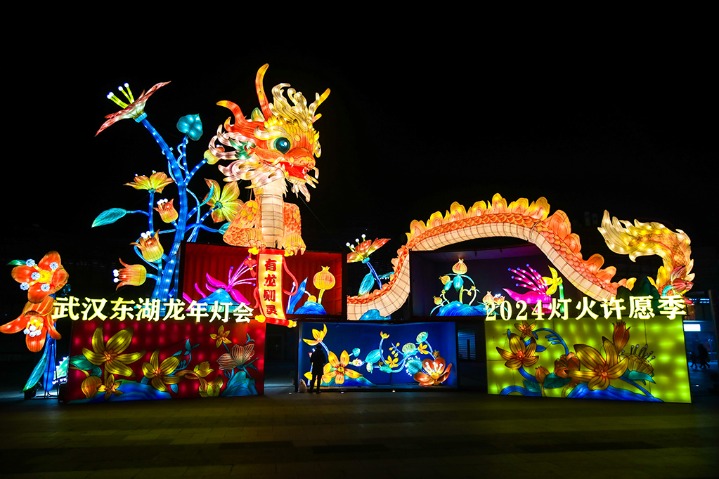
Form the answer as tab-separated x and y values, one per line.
702	356
318	360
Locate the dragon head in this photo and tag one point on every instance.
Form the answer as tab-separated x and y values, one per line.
278	142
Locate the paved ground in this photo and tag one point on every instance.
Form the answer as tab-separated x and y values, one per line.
362	434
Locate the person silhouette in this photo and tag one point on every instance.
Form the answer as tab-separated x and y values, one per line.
318	360
702	356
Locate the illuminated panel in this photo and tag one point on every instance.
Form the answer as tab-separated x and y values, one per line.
370	355
311	282
666	340
653	352
164	360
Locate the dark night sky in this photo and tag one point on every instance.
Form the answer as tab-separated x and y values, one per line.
591	120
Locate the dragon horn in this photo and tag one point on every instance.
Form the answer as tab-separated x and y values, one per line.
237	114
264	104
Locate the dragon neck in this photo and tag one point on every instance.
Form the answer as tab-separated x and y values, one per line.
270	198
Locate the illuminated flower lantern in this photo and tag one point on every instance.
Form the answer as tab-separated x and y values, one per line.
41	281
155	183
36	323
323	280
436	371
150	247
360	253
167	210
133	275
459	267
456	281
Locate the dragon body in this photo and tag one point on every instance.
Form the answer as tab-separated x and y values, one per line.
552	235
276	147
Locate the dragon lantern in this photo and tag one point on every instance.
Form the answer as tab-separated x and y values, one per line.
277	146
552	234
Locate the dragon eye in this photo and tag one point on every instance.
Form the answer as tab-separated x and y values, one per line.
282	145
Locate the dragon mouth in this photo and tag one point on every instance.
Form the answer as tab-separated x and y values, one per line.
295	171
303	178
298	169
